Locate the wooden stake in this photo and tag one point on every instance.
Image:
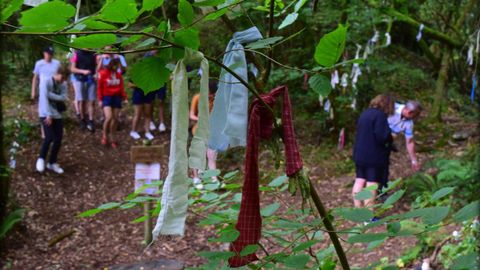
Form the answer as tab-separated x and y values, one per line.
147	223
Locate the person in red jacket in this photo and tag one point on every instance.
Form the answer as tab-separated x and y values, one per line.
111	93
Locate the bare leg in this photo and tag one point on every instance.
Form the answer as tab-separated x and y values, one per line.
371	201
113	124
137	111
91	109
212	159
147	114
357	187
107	110
160	111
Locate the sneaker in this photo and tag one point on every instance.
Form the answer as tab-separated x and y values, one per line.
90	126
104	140
152	126
40	165
114	145
162	127
83	124
134	135
55	167
149	136
197	183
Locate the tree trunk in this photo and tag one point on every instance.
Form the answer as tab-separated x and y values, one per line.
4	175
440	86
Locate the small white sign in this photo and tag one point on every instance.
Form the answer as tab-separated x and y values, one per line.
146	174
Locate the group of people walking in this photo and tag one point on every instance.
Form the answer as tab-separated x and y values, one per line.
93	78
376	127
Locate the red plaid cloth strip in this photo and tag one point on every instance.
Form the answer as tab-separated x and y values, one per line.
260	126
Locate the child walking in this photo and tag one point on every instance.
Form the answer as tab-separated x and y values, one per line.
111	93
52	95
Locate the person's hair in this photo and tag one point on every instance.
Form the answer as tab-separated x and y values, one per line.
113	62
383	102
414	106
64	70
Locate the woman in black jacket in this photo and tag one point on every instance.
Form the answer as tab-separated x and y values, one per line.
371	151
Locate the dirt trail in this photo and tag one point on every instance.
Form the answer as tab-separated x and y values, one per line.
95	175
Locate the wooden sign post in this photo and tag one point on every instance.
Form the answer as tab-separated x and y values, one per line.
147	170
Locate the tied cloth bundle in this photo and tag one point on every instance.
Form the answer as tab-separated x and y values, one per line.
171	220
228	121
261	127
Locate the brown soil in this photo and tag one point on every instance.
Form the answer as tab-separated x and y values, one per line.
95	175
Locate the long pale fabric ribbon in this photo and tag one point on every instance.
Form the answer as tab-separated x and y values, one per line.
171	220
228	121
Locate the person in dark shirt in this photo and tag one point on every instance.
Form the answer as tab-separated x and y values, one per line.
372	147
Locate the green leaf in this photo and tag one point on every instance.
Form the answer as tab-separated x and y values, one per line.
269	209
94	41
8	8
430	215
291	18
188	38
394	227
375	244
90	212
305	245
10	220
364	195
215	15
119	11
140	219
149	74
393	198
230	174
278	181
145	43
98	25
287	224
320	84
216	255
149	5
331	46
441	193
469	261
355	214
209	196
297	261
249	250
208	3
128	205
209	174
467	212
141	199
227	236
263	43
49	16
109	205
185	13
366	237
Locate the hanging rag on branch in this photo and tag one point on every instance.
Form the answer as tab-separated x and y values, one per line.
228	121
261	127
171	220
419	34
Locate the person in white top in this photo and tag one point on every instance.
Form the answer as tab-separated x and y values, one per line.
44	68
402	122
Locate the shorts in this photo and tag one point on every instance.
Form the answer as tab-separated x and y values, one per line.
84	90
161	93
112	101
377	174
139	98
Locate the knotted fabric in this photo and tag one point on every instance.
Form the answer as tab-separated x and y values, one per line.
261	127
228	121
171	220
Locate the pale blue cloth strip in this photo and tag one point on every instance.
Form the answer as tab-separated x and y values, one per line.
174	202
228	121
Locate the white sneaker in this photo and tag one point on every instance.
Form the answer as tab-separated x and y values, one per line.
40	165
55	167
134	135
149	136
162	127
197	183
152	126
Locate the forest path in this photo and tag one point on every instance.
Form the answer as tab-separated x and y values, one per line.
94	175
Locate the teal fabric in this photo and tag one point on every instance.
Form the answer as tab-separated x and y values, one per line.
228	121
171	220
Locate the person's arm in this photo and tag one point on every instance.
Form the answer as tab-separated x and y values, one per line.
193	108
34	85
74	69
410	143
62	96
43	102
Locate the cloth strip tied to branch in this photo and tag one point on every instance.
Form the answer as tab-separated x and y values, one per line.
261	127
228	121
171	220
